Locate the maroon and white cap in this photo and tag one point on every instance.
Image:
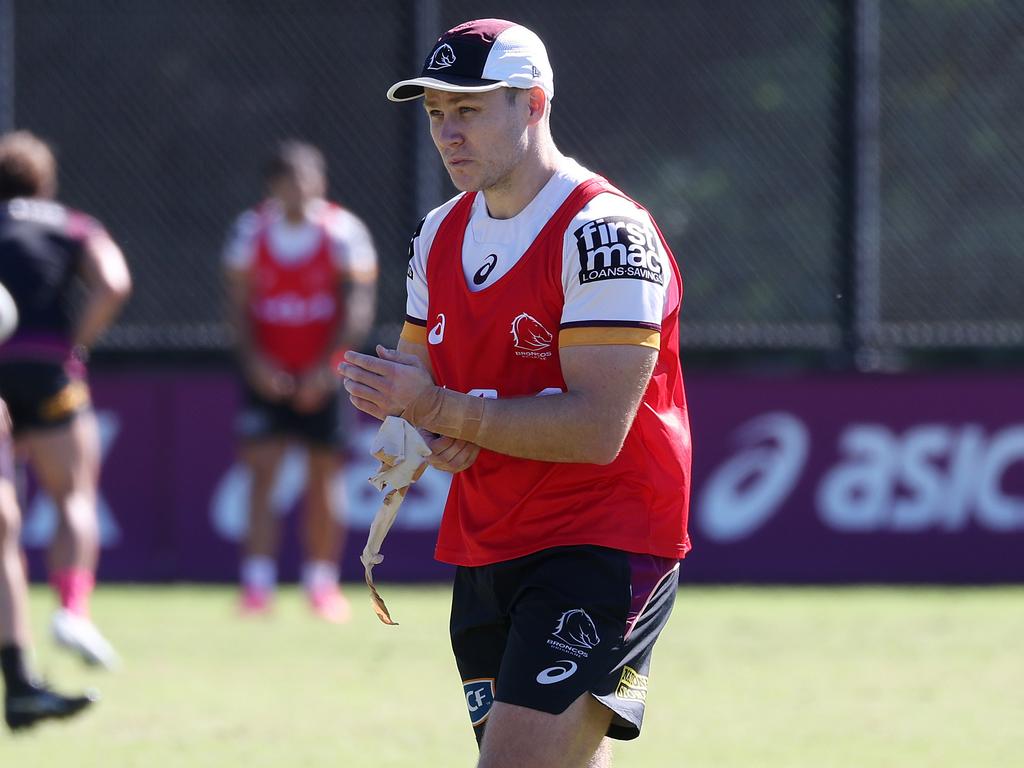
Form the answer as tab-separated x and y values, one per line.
478	56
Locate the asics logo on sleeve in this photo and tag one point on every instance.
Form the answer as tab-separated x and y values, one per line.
436	335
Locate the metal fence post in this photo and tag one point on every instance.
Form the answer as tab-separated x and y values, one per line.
426	20
862	230
6	65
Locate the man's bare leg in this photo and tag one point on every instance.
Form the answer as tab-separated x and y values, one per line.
14	623
517	737
259	571
66	461
324	536
26	701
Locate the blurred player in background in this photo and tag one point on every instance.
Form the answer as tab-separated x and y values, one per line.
301	274
542	344
69	280
26	699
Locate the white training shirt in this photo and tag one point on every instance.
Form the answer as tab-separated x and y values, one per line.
593	296
350	242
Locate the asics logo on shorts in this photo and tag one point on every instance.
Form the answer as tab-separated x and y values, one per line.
562	670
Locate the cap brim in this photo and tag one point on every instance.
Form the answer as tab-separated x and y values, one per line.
407	90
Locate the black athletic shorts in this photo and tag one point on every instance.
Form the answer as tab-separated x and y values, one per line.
539	631
326	427
42	395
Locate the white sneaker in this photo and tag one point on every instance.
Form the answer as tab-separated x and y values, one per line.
78	634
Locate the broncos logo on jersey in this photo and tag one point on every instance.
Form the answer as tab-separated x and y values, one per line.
529	334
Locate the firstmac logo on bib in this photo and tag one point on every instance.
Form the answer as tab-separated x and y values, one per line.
617	247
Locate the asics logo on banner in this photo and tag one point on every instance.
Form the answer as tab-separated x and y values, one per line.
479	698
442	58
749	487
530	338
436	335
562	670
611	248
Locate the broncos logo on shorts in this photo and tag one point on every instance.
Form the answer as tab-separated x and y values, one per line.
576	628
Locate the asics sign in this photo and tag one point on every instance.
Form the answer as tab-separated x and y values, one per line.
619	248
751	485
930	477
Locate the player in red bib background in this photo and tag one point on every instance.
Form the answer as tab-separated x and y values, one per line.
301	275
541	351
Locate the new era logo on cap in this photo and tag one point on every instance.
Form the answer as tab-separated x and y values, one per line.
481	55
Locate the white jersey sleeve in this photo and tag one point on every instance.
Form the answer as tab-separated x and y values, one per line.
240	246
416	278
417	293
351	245
615	275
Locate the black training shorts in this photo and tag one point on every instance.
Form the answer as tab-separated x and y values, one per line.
326	427
539	631
42	395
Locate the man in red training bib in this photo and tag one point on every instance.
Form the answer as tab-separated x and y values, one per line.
541	347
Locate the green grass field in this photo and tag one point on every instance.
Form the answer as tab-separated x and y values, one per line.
751	678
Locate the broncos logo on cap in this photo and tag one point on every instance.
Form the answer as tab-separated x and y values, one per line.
577	628
528	333
443	57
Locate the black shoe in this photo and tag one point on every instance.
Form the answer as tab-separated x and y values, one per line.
25	709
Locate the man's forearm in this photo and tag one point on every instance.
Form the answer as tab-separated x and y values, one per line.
566	427
587	423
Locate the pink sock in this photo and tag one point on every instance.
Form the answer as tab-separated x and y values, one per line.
74	585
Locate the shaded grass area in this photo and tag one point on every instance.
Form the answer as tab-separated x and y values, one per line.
773	678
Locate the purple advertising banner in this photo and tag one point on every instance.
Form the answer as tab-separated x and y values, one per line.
813	479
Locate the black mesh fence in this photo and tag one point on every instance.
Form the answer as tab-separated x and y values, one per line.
720	118
729	120
952	183
163	114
